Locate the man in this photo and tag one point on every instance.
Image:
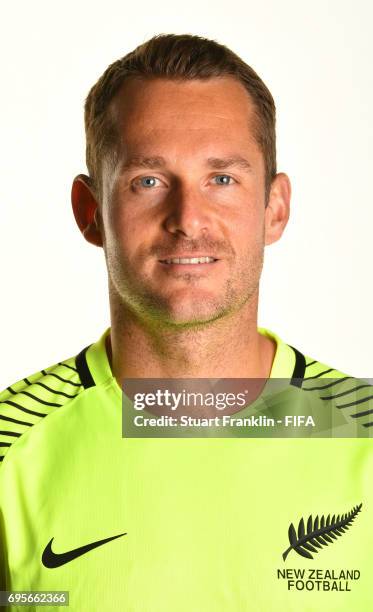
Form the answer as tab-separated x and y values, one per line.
182	195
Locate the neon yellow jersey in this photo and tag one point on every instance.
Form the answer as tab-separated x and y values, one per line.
180	525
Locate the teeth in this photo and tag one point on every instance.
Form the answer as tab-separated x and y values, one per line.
190	260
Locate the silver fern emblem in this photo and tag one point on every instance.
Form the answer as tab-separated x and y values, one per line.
318	534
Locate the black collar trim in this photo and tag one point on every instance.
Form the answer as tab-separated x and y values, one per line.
87	378
83	369
299	368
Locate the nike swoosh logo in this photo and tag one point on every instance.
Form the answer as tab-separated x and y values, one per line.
51	559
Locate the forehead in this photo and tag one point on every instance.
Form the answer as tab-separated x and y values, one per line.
156	108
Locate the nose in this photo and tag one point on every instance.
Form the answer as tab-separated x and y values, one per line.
188	213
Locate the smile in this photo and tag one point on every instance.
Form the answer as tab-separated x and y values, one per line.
189	260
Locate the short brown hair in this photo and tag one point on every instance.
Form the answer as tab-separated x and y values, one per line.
174	56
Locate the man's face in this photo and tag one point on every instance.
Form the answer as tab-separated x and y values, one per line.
189	183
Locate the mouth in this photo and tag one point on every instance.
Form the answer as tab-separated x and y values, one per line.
188	261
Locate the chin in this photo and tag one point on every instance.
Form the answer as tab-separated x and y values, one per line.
193	316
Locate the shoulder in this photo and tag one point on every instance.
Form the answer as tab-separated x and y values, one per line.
337	391
314	369
30	400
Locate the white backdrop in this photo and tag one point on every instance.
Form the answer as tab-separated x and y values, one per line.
316	59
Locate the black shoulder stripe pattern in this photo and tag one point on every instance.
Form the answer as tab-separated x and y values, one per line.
311	363
299	368
360	414
10	433
60	378
38	399
11	420
68	395
83	369
15	405
343	393
360	401
335	382
29	400
320	374
67	366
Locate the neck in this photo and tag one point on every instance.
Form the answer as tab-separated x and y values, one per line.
230	347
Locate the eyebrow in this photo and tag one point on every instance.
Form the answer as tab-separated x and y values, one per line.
139	161
223	163
218	163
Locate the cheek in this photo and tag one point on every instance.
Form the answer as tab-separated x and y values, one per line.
248	228
116	237
126	237
118	223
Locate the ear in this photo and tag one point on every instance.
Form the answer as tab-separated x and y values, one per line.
278	208
86	209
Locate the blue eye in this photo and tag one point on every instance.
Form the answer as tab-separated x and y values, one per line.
148	181
223	179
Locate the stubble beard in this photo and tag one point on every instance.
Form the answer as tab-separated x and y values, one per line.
137	298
